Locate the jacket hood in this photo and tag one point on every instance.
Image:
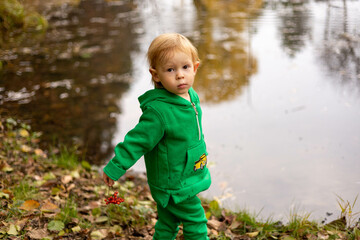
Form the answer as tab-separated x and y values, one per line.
161	94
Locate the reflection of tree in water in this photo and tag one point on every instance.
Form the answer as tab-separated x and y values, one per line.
223	44
340	50
294	27
68	85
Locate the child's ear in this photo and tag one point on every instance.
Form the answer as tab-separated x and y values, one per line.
154	74
196	66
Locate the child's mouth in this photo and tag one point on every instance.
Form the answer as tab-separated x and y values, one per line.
182	85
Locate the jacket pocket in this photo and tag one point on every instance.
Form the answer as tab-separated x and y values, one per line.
196	160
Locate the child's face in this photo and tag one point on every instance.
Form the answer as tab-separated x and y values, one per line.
177	74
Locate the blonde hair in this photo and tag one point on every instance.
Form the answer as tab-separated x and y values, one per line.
164	45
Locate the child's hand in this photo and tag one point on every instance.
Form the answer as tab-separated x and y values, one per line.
108	181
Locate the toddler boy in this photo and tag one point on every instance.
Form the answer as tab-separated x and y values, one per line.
169	135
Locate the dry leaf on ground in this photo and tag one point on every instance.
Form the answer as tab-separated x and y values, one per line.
38	233
49	207
29	205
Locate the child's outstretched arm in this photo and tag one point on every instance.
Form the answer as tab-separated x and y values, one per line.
108	181
137	142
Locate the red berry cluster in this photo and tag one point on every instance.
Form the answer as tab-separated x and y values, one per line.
114	199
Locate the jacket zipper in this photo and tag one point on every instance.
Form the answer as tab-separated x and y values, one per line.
197	119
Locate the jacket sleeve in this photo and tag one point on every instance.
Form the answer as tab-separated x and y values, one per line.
138	141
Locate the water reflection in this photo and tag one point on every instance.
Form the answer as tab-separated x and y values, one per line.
294	26
68	85
296	140
341	43
224	48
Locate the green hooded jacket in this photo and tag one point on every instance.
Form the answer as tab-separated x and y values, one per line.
169	135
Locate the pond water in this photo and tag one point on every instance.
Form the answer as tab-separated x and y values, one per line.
279	84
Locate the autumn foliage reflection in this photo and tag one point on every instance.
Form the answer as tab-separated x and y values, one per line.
224	47
68	84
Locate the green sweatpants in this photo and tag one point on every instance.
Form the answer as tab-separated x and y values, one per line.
189	212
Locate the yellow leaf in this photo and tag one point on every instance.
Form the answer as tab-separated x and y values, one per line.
75	174
23	133
6	167
40	153
25	148
99	234
252	234
29	205
4	195
13	230
101	219
76	229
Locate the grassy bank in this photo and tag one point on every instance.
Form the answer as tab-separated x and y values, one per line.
52	194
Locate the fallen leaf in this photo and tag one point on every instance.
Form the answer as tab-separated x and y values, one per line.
101	219
55	191
23	133
214	232
49	207
40	153
91	205
208	214
287	237
229	234
29	205
215	224
6	167
75	174
21	223
116	229
72	186
76	229
25	148
61	233
37	178
38	233
49	176
13	230
311	236
89	218
146	203
322	236
66	179
88	195
99	234
4	195
235	224
49	215
252	234
94	204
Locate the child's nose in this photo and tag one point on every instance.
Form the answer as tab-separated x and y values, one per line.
179	74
